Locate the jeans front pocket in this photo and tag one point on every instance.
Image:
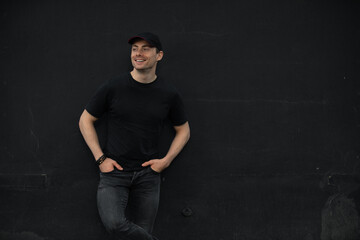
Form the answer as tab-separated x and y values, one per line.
108	172
153	171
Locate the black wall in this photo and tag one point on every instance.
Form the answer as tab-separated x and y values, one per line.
271	88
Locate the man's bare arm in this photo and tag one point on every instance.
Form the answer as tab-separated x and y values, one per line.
182	136
87	129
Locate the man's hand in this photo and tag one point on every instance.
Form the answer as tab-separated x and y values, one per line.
182	135
158	165
109	165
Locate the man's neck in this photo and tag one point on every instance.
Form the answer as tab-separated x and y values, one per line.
143	77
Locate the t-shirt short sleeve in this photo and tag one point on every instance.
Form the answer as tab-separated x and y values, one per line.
177	113
98	103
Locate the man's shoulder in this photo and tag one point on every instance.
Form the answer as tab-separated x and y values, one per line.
167	86
118	80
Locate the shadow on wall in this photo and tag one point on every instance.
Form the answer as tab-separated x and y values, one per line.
340	215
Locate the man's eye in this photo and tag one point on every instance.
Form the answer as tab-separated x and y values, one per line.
134	49
146	49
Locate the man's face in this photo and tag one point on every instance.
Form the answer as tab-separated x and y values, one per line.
143	56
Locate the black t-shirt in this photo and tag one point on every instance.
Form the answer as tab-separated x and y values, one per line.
136	113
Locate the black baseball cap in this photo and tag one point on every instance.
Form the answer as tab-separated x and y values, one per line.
151	38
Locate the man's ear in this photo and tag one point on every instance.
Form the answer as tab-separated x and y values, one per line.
160	55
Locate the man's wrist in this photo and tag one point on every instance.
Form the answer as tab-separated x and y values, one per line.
166	161
101	159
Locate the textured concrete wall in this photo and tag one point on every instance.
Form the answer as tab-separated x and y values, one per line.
271	88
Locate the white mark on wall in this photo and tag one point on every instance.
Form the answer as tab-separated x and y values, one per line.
32	132
35	138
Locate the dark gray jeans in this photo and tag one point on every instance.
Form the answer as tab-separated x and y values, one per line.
135	194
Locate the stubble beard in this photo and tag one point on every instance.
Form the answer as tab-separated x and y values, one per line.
145	70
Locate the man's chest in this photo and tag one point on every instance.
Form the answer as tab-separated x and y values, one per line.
140	105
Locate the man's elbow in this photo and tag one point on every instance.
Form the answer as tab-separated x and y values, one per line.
86	119
188	135
81	121
183	131
187	131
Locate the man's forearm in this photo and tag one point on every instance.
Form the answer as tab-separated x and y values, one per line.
88	131
181	138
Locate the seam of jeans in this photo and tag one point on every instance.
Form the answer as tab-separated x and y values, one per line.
133	177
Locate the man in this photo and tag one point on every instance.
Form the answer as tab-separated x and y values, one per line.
137	104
